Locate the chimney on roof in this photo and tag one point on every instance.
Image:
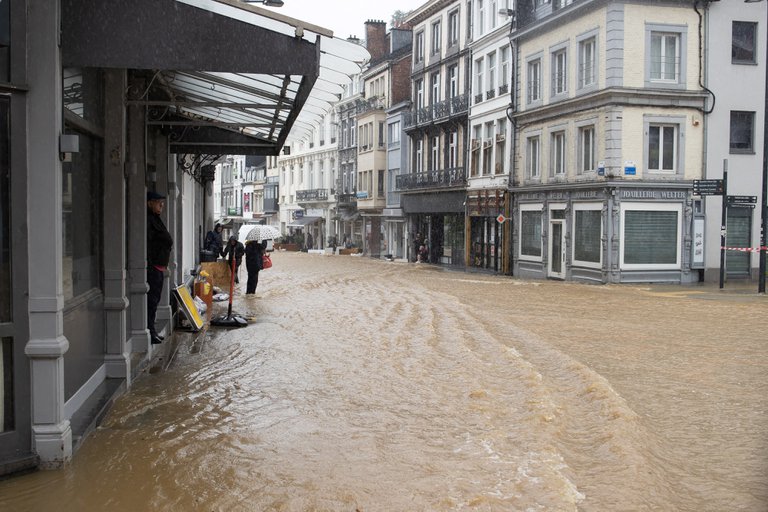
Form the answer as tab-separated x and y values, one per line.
376	38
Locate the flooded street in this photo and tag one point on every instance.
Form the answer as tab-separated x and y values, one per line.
377	386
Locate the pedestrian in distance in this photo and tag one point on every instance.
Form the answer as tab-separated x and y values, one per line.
254	262
234	249
159	245
213	240
309	241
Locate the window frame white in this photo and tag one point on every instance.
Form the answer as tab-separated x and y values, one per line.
581	128
578	206
531	207
533	164
677	123
583	43
533	70
681	33
647	206
558	146
558	58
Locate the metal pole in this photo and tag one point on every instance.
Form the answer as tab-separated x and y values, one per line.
763	198
723	220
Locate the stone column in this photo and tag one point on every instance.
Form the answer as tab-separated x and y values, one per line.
118	360
165	185
51	432
137	224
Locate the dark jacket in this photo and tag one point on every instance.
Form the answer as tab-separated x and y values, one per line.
159	241
214	242
254	256
236	250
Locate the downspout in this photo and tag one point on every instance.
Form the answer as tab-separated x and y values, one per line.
511	182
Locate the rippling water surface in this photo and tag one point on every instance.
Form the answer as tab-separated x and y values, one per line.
377	386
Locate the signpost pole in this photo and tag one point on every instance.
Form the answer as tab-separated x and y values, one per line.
723	220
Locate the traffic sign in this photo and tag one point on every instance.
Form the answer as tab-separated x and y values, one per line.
501	218
708	187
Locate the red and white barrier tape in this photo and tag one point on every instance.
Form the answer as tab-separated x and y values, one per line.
745	249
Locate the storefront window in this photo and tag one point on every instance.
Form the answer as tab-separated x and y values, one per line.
5	214
530	233
586	237
6	385
82	214
651	237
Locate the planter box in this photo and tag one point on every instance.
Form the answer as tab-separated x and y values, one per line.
287	247
354	250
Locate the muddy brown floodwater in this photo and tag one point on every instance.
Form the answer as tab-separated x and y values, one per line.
377	386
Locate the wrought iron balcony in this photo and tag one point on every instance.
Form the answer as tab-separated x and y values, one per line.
441	111
308	196
377	102
444	178
348	154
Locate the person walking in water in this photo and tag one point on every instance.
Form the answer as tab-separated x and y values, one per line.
254	262
159	245
234	249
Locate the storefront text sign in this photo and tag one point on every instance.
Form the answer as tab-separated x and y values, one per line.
653	194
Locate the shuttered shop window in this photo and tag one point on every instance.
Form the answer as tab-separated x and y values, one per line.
530	238
587	236
650	237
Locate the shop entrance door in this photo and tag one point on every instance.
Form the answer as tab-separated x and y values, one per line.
556	247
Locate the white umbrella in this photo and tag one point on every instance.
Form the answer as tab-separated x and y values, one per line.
261	232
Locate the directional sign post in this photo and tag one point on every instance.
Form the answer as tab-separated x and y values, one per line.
708	187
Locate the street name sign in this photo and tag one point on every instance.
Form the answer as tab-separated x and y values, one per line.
708	187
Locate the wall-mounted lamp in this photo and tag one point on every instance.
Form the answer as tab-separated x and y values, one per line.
507	13
68	144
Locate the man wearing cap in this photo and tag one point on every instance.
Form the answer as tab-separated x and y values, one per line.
159	244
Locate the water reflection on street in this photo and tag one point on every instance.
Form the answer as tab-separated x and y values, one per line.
383	386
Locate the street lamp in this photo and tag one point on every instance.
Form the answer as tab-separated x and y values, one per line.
273	3
763	194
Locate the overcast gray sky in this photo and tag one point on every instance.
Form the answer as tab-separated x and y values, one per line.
345	17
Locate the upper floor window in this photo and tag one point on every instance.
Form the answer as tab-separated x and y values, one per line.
480	18
558	153
419	93
666	56
586	149
587	60
479	86
559	72
436	37
434	95
742	132
453	144
393	135
532	152
505	74
743	42
534	80
662	147
418	50
419	154
453	28
453	81
491	72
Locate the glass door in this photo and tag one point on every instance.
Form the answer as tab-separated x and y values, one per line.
557	244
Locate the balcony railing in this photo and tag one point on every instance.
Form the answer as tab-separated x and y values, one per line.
307	196
348	154
442	110
377	102
444	178
346	199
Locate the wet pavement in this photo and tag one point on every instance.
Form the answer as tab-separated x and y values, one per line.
384	386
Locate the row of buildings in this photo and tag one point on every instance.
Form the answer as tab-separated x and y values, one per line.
543	138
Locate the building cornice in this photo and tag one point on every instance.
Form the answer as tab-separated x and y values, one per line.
613	97
427	10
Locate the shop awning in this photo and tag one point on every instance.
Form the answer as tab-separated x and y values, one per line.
303	221
221	76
